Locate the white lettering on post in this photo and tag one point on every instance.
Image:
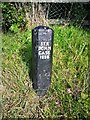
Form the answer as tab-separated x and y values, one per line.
44	50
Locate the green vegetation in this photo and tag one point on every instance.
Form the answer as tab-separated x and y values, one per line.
13	16
19	15
68	94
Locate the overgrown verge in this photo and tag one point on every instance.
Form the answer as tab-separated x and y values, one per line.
67	96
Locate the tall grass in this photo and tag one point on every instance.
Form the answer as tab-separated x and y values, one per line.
67	96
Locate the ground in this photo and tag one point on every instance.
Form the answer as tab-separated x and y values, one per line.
68	92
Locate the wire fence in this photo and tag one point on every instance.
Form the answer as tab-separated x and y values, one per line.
47	14
56	13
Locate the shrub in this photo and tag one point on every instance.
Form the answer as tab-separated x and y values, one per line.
12	15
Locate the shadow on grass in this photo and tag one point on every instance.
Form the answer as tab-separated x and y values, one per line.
26	54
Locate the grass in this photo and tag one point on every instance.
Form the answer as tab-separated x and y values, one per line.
68	94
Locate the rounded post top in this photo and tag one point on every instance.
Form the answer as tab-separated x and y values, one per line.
42	27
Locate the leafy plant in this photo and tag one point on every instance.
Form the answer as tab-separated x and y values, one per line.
12	15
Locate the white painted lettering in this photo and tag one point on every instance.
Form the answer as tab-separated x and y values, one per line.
44	50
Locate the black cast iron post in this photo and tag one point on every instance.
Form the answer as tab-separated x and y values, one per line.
42	49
